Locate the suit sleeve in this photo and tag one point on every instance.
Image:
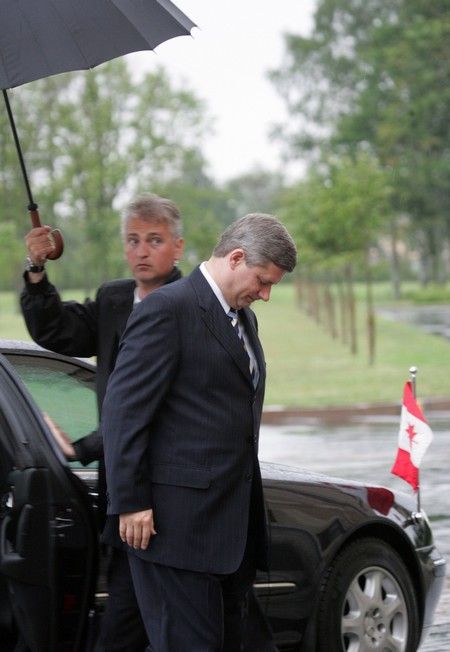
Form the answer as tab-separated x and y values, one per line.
145	368
89	448
66	327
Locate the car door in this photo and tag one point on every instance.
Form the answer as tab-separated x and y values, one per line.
48	535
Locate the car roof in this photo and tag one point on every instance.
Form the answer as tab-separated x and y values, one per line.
19	345
24	347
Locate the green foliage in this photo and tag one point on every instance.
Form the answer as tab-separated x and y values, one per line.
205	211
10	253
91	141
339	211
169	124
430	294
256	191
374	76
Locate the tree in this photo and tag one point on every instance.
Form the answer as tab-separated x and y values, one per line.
255	191
168	126
11	256
339	214
92	139
374	76
205	210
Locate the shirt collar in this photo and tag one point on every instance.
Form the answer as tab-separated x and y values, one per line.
214	287
137	298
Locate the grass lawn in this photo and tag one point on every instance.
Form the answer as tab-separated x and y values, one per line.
307	368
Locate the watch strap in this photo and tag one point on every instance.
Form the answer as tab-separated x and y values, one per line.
32	267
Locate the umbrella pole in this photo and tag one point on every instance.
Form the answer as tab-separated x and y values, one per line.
32	206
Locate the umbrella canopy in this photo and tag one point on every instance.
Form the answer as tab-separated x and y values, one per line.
39	38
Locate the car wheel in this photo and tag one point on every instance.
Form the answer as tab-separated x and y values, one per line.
368	602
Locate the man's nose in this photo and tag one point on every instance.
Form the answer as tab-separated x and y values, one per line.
264	293
142	248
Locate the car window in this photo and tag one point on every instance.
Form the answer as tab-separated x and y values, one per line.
64	391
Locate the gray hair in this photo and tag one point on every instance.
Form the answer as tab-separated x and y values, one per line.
264	240
152	208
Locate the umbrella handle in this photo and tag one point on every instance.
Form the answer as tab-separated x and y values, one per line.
55	234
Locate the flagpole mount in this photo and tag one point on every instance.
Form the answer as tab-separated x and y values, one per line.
412	377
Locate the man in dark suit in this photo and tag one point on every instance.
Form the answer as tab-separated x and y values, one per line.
152	236
180	423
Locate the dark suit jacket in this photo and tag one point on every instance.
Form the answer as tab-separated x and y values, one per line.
92	328
180	424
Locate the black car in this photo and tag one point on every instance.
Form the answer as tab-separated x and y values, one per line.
353	567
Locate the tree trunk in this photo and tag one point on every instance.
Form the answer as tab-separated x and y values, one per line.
370	314
330	311
343	313
395	261
351	310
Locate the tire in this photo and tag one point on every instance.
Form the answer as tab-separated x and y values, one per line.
368	602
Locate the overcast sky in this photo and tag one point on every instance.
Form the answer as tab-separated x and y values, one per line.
225	63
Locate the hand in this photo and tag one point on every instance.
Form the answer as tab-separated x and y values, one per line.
39	244
136	528
61	437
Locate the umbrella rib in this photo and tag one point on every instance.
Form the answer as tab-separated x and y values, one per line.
173	10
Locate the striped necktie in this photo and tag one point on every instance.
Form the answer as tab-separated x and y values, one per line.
234	319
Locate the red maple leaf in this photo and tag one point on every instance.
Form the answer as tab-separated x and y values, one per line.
411	433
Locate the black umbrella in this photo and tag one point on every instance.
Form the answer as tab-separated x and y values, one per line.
39	38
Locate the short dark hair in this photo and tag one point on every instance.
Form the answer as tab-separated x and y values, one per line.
152	208
264	240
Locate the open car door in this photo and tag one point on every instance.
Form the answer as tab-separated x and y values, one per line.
48	534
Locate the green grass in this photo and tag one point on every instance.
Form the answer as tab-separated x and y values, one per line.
307	368
11	323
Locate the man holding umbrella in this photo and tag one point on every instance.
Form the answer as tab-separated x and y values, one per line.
153	243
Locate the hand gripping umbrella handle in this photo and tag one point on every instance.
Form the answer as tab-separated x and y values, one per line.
55	234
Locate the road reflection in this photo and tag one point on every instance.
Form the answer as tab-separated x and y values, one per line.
364	449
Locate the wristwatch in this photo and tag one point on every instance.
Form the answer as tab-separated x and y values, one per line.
32	267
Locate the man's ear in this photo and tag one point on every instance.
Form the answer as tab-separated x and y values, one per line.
179	248
236	257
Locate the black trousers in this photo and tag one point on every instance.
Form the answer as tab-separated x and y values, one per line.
121	628
185	611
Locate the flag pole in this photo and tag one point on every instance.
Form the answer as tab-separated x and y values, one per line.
412	376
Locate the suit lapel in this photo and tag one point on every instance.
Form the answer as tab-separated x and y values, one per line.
218	323
122	304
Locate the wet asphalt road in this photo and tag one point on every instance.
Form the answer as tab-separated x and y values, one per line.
364	449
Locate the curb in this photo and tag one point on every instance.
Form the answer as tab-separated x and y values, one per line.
277	415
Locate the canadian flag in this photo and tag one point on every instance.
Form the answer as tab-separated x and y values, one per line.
413	439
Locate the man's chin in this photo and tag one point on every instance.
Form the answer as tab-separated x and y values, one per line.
245	303
150	281
144	276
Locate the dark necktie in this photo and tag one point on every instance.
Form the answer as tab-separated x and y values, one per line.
234	319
